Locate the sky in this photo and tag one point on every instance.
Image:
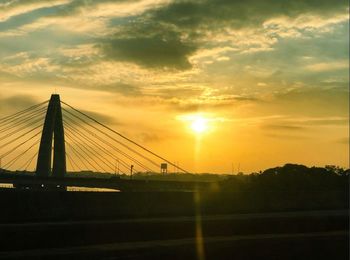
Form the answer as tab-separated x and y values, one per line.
215	86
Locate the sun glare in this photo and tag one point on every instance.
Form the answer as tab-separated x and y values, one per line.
199	125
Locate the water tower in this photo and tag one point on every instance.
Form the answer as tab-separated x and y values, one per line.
163	168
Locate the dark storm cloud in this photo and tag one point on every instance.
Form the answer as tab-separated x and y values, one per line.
155	51
195	12
239	14
167	35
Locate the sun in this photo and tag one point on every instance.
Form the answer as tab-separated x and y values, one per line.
199	125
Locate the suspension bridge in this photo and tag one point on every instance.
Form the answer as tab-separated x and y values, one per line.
52	140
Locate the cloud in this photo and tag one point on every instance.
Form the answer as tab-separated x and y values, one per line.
103	118
203	104
179	92
21	19
121	88
121	46
16	103
326	66
287	137
155	51
234	13
309	93
303	123
149	137
165	37
28	66
324	121
312	101
223	58
116	87
269	67
15	8
78	16
283	127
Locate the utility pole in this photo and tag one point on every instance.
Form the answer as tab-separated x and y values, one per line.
131	169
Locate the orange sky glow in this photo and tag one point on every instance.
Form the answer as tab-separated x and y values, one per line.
245	90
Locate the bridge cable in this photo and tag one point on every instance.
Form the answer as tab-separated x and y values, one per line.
102	140
28	123
113	166
90	141
77	152
27	163
126	138
77	155
115	148
11	141
4	119
21	119
88	154
103	148
122	144
10	163
71	128
71	162
20	129
15	148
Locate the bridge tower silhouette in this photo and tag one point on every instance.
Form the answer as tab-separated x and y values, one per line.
52	131
66	140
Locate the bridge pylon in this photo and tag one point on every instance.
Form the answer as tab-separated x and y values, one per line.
52	131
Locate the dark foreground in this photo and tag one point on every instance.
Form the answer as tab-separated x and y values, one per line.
63	225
